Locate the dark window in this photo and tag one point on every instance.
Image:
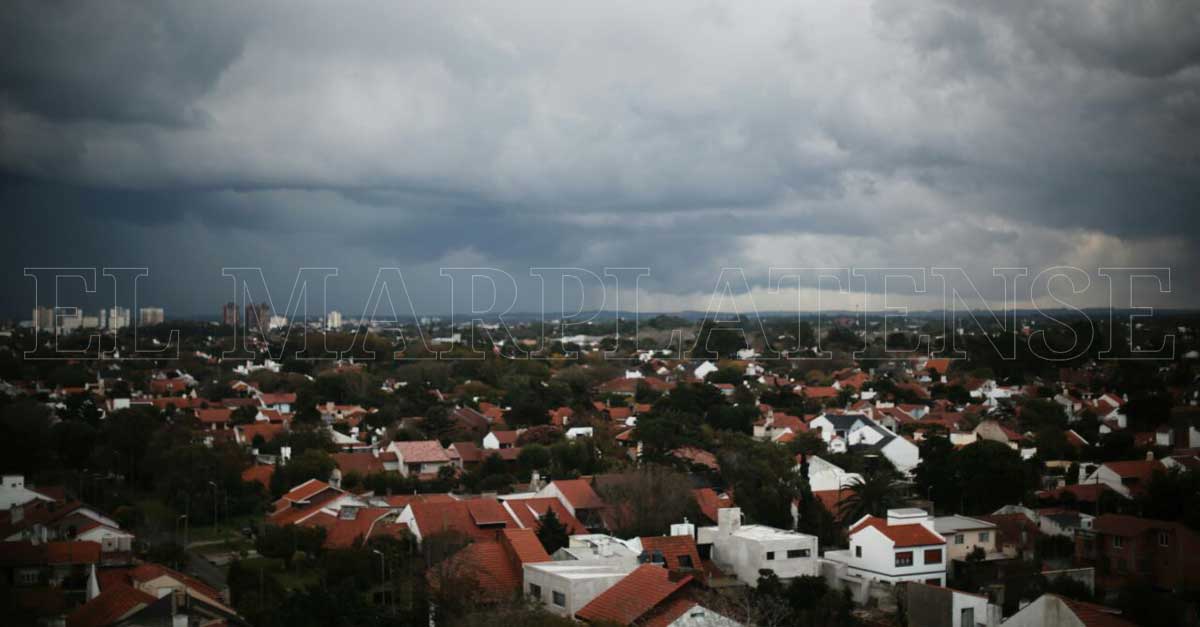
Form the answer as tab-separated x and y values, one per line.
535	590
685	561
904	558
794	553
1164	538
933	556
858	551
1118	542
935	582
770	555
560	599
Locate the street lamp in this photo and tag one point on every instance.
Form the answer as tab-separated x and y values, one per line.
382	571
216	523
184	518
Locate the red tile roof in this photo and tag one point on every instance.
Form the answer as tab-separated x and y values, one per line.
421	452
579	493
525	546
365	463
672	549
214	416
433	518
710	502
900	535
112	604
261	473
530	511
488	566
633	597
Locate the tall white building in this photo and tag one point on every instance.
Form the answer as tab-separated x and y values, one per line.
149	316
43	319
333	320
118	318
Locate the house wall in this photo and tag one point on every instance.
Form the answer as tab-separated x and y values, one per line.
744	556
971	538
903	454
878	559
579	591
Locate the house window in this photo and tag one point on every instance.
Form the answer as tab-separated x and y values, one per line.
685	561
933	556
794	553
1118	542
560	599
27	577
967	617
535	591
858	551
904	558
935	582
958	538
770	555
1164	538
983	536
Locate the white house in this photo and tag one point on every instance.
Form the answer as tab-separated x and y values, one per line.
902	547
704	369
564	587
14	492
744	550
823	475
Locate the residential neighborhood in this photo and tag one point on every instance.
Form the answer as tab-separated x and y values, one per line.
654	488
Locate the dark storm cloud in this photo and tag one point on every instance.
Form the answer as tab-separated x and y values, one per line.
680	137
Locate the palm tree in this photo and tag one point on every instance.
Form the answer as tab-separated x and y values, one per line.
873	494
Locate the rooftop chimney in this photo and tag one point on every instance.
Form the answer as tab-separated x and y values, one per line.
729	520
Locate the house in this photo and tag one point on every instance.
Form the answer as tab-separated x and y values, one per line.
937	606
60	564
15	492
307	500
213	419
422	458
744	550
579	498
495	567
675	552
567	586
528	512
902	547
281	402
1052	610
1125	548
160	581
964	534
478	519
599	547
638	597
115	603
352	525
496	440
1016	530
837	425
1127	478
361	463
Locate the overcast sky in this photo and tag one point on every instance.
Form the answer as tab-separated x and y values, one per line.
680	136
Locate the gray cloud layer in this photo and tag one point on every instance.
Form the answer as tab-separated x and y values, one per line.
680	136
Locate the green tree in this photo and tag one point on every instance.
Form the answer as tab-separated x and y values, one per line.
552	533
